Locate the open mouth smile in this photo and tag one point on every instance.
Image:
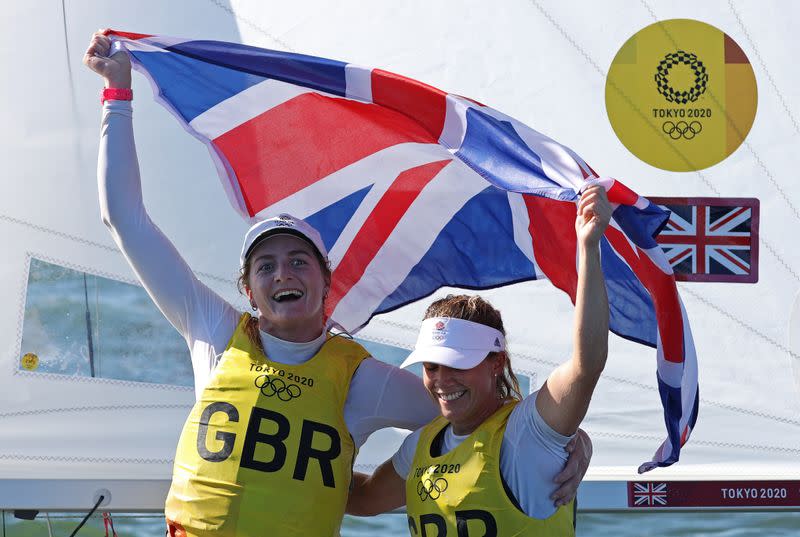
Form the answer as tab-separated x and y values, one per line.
287	295
451	396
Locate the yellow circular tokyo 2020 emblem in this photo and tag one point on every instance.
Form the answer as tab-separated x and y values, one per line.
681	95
30	361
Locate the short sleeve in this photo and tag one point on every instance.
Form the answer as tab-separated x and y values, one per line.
404	456
531	455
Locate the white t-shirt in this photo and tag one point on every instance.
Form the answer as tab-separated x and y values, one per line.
380	395
531	455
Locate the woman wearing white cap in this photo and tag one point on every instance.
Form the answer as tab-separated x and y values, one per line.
486	465
282	404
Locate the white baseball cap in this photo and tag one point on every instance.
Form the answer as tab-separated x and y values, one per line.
455	343
283	224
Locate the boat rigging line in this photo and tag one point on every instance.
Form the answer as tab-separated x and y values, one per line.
96	505
89	341
49	526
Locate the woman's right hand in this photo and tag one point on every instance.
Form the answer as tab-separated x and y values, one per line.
116	70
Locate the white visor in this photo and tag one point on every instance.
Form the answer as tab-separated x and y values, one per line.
283	224
455	343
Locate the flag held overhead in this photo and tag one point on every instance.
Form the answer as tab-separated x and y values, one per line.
413	189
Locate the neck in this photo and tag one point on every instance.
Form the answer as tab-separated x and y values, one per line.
302	332
468	426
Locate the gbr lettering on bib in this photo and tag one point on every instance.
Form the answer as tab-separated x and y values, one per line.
254	436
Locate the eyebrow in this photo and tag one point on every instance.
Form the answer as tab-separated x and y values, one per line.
272	256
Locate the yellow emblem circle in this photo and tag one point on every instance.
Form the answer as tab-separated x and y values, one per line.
681	95
30	361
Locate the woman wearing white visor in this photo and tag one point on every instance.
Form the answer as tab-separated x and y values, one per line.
282	404
486	465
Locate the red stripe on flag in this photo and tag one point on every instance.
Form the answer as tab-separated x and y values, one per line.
127	35
663	292
420	102
700	229
293	145
685	435
681	256
728	218
713	240
552	229
675	225
733	260
379	225
619	193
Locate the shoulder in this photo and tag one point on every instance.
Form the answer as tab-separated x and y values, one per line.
531	455
382	395
393	393
209	341
404	456
526	427
346	347
375	375
412	440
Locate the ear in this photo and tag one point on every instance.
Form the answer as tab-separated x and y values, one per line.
499	363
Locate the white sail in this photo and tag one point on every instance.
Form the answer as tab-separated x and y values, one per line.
65	435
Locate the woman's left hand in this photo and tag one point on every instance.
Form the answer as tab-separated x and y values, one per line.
580	454
594	214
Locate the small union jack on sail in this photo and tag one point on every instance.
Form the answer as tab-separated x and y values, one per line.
711	239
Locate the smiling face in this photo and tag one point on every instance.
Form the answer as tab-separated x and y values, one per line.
287	284
466	397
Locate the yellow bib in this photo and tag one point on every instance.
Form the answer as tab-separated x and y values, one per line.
461	493
265	451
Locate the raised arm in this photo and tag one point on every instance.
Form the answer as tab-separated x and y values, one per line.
188	304
563	400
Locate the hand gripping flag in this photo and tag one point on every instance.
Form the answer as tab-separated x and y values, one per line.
413	189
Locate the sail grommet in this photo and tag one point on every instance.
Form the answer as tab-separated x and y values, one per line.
105	493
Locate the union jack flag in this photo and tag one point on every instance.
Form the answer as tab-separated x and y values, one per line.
648	495
711	239
413	189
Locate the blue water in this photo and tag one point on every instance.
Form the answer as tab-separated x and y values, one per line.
590	525
124	327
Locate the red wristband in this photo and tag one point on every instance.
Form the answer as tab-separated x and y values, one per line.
116	94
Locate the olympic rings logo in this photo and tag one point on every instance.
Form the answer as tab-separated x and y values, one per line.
273	386
431	488
681	129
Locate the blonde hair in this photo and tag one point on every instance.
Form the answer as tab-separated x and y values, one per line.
476	309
